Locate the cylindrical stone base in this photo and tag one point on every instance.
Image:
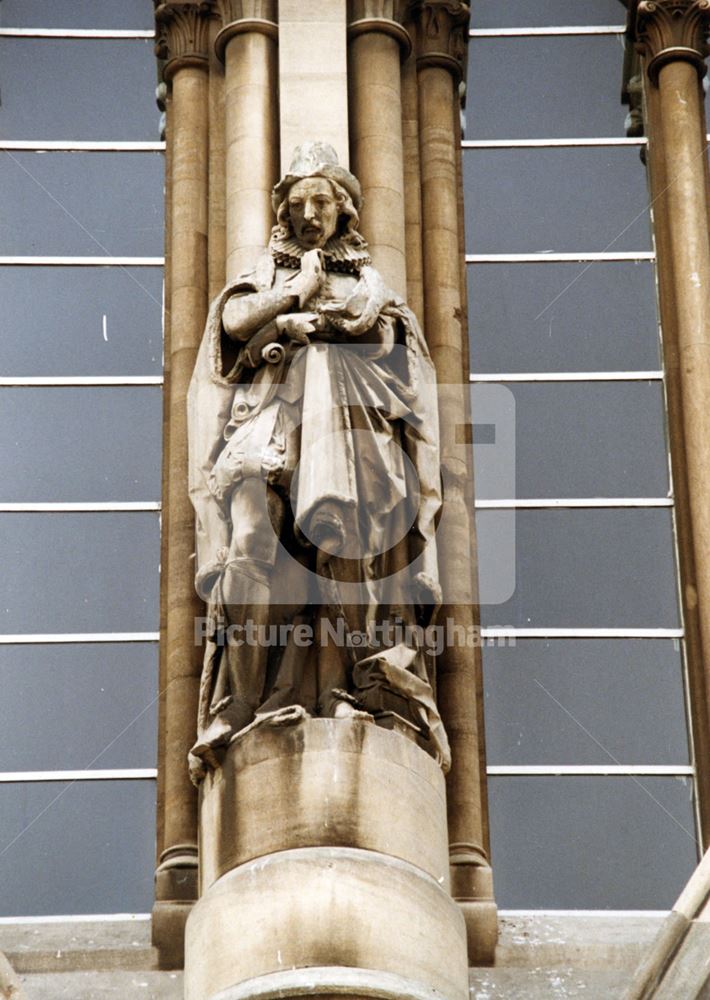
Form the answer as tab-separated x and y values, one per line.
348	895
336	907
322	984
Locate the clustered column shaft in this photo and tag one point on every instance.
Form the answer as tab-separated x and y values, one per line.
182	40
375	90
442	29
672	39
247	45
223	160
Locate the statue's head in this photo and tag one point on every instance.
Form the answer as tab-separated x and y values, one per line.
317	198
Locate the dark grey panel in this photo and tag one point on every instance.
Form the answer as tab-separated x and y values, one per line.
90	204
79	572
563	317
580	568
81	444
54	318
586	701
69	707
542	13
618	428
555	200
562	86
108	95
130	14
86	847
591	843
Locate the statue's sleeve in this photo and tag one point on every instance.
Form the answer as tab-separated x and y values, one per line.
209	404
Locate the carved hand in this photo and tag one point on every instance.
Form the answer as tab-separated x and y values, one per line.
265	463
297	326
309	280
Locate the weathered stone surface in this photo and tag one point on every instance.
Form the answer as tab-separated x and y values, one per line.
323	844
560	983
324	782
115	985
314	472
542	955
325	907
78	945
313	91
10	987
580	941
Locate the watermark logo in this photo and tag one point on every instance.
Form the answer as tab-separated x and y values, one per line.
342	467
433	639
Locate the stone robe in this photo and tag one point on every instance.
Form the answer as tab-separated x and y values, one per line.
351	420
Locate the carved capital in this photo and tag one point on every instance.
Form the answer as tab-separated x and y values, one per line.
181	33
442	34
672	29
241	16
384	16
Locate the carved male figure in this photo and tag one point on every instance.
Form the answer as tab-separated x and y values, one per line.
314	475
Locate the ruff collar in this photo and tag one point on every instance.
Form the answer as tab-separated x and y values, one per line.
348	258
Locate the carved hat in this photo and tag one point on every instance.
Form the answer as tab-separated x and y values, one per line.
316	159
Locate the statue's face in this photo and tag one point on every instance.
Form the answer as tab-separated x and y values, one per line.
313	211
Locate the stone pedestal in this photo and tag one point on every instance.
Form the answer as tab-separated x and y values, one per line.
325	870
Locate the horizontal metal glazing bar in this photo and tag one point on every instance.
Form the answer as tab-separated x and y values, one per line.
79	146
648	376
82	918
136	773
592	29
532	770
78	508
87	918
551	143
557	258
39	638
82	261
511	632
75	33
600	770
487	632
545	504
611	914
547	143
60	381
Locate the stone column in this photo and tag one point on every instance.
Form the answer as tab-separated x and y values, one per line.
247	47
412	182
672	37
324	870
182	41
166	105
377	43
216	222
313	76
441	48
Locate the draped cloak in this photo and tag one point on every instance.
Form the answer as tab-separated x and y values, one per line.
392	383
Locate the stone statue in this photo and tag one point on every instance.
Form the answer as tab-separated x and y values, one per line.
314	474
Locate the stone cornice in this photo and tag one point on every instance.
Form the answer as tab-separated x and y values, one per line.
181	33
666	30
241	16
442	34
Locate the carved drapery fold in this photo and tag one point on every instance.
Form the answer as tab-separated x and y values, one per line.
182	34
667	30
443	34
241	16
